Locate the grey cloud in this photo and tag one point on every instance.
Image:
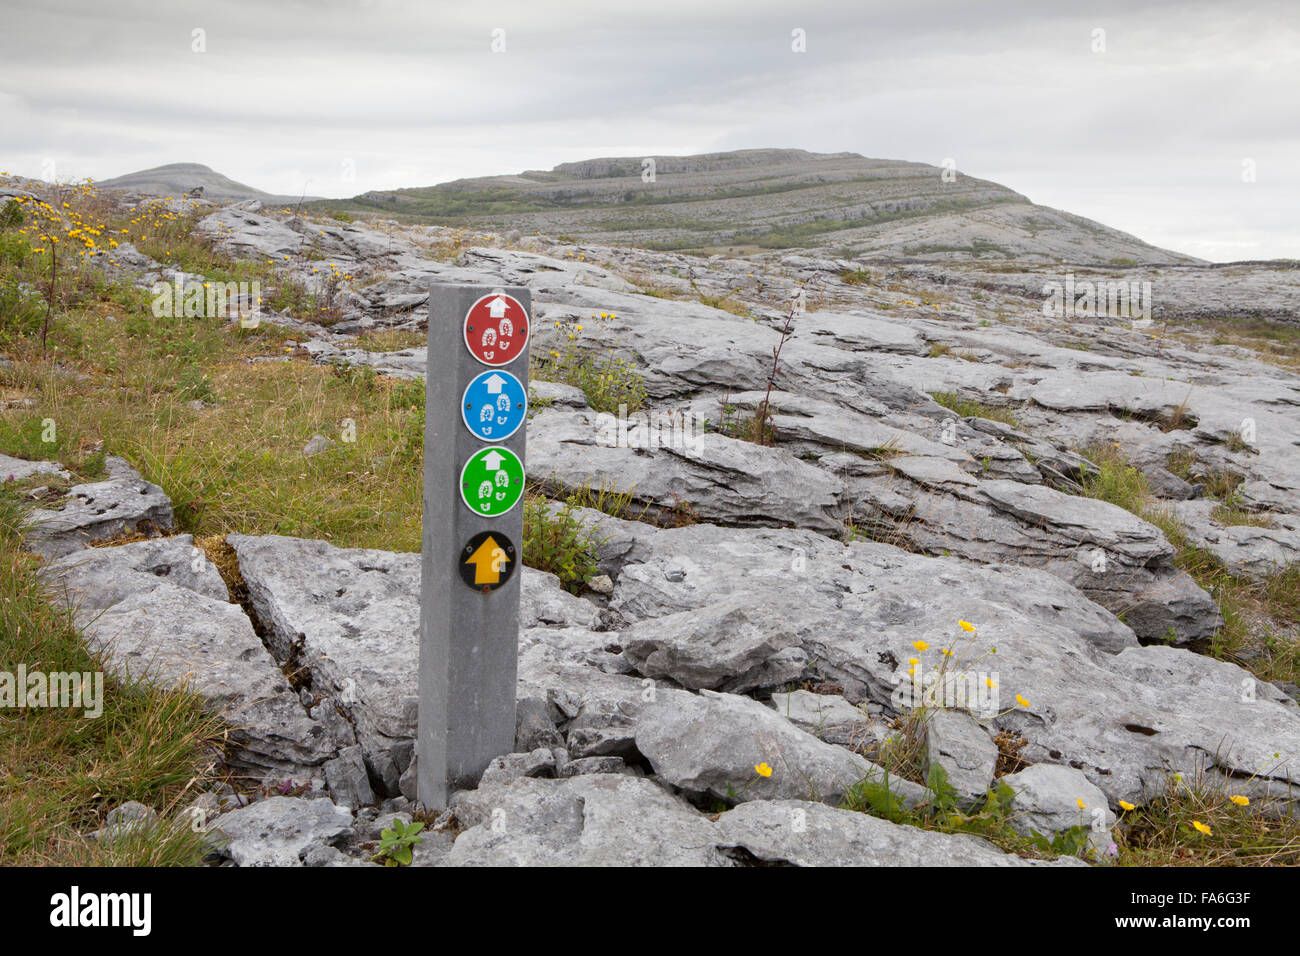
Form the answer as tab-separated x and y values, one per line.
1153	128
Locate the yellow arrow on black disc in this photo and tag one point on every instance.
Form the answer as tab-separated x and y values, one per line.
487	561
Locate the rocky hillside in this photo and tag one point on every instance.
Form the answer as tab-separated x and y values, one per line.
945	565
179	179
770	199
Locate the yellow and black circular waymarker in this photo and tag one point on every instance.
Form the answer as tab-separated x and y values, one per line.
487	561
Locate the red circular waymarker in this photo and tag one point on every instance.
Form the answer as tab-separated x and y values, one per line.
496	329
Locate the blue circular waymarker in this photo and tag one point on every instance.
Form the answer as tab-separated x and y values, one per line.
494	405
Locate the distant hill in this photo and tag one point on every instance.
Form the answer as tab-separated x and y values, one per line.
177	179
754	199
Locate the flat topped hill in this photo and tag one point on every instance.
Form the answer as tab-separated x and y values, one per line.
753	199
177	179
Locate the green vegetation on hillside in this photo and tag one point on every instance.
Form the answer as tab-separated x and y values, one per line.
1254	612
60	772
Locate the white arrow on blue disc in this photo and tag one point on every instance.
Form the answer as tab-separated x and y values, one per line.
494	405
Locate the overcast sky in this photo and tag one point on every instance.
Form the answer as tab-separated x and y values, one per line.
1154	135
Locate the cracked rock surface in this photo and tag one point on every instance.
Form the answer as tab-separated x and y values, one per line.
770	611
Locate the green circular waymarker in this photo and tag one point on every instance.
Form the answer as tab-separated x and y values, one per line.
492	482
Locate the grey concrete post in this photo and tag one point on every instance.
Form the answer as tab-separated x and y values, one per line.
468	638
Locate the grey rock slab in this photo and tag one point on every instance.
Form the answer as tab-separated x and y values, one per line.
433	849
172	635
1245	549
536	763
965	751
596	711
542	393
95	579
1164	484
322	854
719	478
1123	714
348	780
99	511
19	469
1117	559
801	833
818	713
684	569
404	363
316	445
931	472
588	820
407	783
728	645
725	349
859	331
351	618
810	422
1051	798
279	831
585	765
543	273
712	743
534	725
616	820
127	818
247	234
1216	406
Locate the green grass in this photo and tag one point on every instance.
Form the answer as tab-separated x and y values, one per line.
1274	342
1232	513
969	409
746	424
236	466
606	380
555	540
1220	483
1254	612
992	820
126	386
391	340
724	302
197	408
1114	479
61	772
1163	832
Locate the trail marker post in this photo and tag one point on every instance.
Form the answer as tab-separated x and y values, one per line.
475	411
